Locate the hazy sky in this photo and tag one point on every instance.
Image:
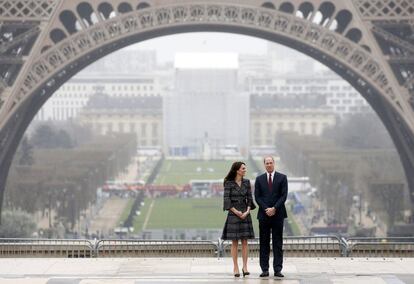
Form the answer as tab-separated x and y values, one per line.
199	42
167	46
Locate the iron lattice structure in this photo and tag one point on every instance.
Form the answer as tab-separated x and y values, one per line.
370	43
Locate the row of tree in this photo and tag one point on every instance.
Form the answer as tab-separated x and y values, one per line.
340	173
58	175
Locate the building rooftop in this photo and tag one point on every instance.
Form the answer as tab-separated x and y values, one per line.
103	101
206	61
309	101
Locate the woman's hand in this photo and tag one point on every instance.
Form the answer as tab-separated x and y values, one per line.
240	214
236	212
245	214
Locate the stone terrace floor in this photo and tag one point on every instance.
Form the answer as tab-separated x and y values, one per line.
202	270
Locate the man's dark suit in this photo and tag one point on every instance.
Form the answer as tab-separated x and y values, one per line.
266	199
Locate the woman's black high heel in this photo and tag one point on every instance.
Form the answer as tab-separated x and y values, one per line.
236	274
245	272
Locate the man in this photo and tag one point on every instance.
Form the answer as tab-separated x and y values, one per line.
271	190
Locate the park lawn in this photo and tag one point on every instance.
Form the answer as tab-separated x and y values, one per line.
180	172
139	220
187	213
292	222
190	213
126	211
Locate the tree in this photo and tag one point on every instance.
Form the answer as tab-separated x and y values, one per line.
17	224
63	140
360	131
387	197
43	137
26	153
47	137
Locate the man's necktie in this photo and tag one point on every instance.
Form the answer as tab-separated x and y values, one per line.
270	182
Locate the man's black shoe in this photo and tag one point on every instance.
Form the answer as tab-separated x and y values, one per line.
264	274
279	274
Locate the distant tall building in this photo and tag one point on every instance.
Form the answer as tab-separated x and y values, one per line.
280	58
311	91
268	119
130	114
205	111
284	60
126	72
125	61
74	95
253	66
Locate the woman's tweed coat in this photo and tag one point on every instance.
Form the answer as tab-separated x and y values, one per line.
239	197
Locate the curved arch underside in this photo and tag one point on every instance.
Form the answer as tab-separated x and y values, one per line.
72	53
80	31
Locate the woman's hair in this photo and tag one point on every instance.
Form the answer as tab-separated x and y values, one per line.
233	171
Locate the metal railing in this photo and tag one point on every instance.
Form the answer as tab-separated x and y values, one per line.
313	246
155	248
380	247
46	248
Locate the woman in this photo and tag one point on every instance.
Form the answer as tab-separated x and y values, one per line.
238	201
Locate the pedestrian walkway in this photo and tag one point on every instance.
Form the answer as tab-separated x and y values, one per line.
107	218
202	270
130	174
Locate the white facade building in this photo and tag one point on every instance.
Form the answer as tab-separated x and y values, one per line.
309	91
253	65
205	112
266	123
124	61
139	115
344	99
74	95
285	60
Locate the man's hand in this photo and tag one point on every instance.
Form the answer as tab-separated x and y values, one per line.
270	211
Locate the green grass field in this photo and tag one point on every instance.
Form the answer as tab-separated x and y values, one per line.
293	224
190	213
126	211
180	172
139	220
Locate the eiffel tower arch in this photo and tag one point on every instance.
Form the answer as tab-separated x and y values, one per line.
370	43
